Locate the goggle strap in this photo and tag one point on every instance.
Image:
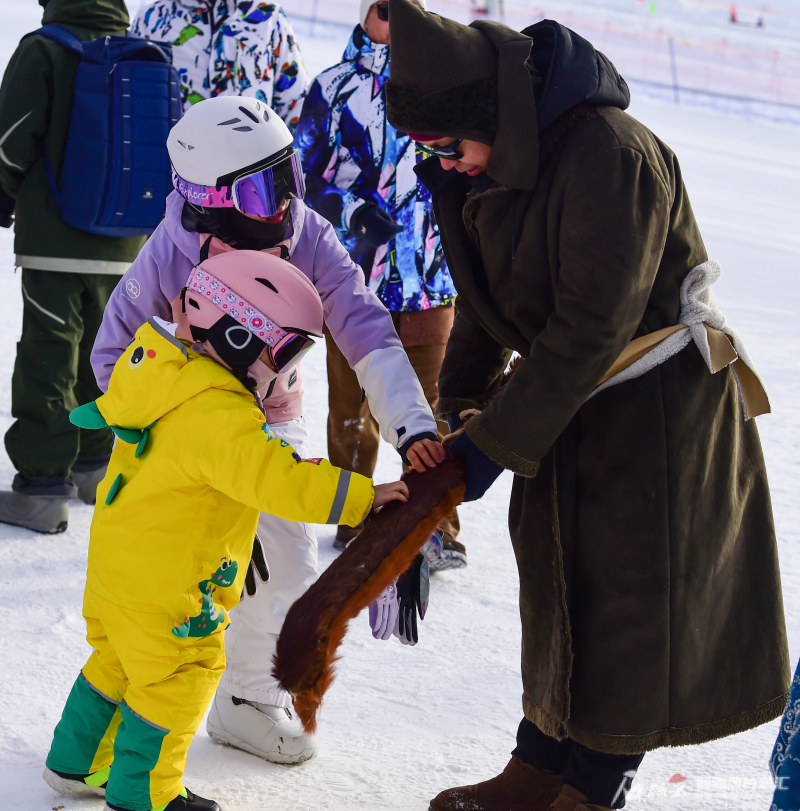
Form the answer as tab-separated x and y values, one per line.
229	302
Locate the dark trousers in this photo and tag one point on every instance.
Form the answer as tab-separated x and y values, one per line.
605	779
52	373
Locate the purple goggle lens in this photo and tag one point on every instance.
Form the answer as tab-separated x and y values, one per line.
288	351
259	194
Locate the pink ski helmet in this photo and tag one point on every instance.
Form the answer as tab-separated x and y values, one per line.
256	311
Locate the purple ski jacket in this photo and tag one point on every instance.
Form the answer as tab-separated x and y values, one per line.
358	322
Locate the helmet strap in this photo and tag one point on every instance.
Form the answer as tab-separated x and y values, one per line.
205	249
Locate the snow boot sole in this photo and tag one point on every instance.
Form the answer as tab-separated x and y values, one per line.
66	785
449	559
226	739
185	801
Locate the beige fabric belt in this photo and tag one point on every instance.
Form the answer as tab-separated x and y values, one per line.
720	347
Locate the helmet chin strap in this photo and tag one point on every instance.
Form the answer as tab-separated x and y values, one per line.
223	346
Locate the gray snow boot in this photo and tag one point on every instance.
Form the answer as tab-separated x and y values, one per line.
453	556
38	503
87	473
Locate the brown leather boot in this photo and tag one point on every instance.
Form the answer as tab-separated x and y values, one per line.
521	787
570	799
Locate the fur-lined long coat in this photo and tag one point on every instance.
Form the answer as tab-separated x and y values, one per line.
650	594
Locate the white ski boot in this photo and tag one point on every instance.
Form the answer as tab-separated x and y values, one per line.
272	733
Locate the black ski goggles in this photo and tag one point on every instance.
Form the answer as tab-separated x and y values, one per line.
382	10
449	153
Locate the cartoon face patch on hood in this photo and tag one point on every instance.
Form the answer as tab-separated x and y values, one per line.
154	375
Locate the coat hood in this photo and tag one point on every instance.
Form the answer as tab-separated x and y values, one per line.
97	15
490	83
366	53
572	72
154	375
536	84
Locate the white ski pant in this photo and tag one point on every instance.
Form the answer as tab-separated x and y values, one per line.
291	553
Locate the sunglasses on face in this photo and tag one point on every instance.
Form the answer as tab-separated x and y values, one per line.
449	153
382	10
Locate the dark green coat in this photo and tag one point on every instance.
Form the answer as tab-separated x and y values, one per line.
35	110
650	594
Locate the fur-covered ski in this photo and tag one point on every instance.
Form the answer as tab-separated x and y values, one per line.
316	624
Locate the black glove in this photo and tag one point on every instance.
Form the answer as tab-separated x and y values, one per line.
373	225
7	206
256	567
410	600
481	470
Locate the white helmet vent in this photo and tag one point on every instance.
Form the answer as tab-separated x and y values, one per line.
251	115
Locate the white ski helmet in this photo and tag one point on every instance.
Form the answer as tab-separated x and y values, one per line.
217	137
235	152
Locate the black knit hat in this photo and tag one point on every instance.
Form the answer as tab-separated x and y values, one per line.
443	76
475	82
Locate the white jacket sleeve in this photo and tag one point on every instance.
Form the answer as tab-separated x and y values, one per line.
395	396
362	329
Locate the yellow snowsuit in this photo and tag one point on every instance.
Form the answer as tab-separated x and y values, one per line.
171	540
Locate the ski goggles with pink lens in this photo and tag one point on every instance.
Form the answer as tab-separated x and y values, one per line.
257	194
283	346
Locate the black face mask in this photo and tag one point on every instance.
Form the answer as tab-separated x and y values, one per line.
233	228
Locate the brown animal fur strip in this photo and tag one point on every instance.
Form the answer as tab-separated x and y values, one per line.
316	623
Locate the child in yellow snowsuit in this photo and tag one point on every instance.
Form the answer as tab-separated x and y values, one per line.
171	542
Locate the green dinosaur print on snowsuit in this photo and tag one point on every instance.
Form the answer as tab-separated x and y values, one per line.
211	616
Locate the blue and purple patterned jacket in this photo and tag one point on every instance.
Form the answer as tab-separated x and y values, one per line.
230	48
352	155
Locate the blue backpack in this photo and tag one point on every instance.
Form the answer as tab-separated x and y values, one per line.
116	173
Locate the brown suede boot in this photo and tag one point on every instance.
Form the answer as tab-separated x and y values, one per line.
521	787
570	799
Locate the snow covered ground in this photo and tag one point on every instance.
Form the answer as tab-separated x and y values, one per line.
401	724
